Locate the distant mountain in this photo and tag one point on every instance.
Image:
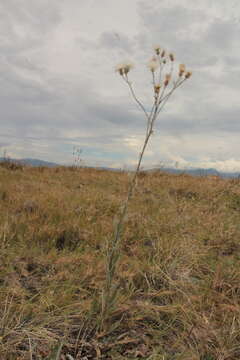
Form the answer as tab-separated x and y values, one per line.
201	172
190	171
31	162
193	171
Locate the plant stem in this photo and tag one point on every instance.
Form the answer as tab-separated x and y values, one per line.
113	252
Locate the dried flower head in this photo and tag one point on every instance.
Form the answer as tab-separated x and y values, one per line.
123	69
182	69
188	75
167	79
157	49
157	88
163	53
127	68
119	68
153	64
171	57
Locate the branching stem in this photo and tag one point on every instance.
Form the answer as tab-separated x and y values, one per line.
113	251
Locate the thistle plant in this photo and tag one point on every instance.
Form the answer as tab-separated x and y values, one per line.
165	80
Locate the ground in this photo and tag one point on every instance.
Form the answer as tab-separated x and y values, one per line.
178	277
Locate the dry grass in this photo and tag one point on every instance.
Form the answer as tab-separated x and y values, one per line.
178	279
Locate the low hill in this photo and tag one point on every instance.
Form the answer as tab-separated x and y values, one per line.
30	162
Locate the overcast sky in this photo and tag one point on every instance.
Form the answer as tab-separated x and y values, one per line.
59	88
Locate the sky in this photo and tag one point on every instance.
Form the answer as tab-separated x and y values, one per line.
59	88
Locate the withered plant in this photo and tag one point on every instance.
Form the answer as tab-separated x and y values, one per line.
165	80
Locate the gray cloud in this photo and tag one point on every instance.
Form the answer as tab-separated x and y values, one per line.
58	86
25	23
222	35
196	36
116	40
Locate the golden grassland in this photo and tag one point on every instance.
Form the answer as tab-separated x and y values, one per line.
178	278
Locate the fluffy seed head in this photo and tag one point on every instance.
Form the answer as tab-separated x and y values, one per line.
182	69
167	79
157	49
123	69
188	75
127	68
153	64
157	88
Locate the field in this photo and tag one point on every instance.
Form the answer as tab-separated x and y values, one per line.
178	278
